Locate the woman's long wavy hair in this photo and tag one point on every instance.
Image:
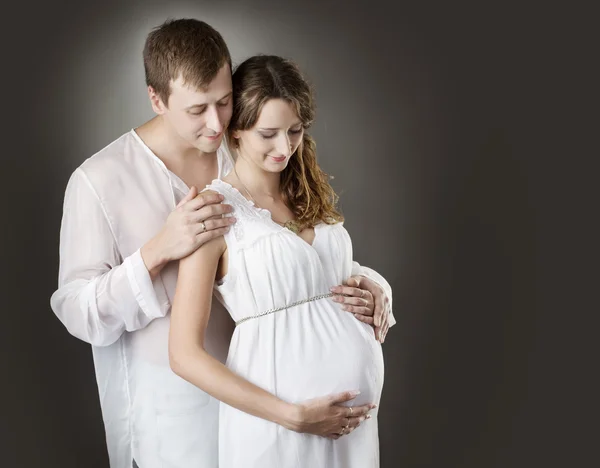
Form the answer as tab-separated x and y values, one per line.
304	185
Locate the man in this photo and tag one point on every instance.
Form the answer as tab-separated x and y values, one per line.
130	212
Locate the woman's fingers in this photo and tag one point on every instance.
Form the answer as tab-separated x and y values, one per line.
357	411
348	426
343	397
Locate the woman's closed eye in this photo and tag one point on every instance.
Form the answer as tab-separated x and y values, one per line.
268	136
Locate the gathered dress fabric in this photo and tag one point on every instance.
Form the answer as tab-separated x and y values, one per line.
308	348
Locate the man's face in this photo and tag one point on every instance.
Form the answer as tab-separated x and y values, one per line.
201	116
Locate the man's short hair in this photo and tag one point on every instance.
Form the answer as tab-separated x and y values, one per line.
188	48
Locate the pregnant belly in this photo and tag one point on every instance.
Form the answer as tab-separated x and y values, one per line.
309	351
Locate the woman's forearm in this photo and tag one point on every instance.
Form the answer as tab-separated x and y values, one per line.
189	318
207	373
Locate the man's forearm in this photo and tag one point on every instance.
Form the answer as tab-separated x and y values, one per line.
99	308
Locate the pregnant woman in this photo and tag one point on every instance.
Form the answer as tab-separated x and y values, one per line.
293	347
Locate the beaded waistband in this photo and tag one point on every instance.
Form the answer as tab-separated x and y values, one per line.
277	309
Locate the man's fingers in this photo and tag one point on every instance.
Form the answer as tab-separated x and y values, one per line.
217	216
381	315
190	195
353	281
351	300
364	318
377	317
211	211
378	312
357	310
385	330
348	291
205	213
215	223
203	199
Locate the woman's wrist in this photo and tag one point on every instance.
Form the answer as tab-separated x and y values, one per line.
290	416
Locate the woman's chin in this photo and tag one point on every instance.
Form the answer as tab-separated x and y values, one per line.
275	167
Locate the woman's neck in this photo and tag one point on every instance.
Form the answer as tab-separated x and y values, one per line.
258	182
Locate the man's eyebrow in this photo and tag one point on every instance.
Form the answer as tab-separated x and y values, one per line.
227	95
195	105
204	104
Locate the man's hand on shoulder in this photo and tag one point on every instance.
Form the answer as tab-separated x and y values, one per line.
197	219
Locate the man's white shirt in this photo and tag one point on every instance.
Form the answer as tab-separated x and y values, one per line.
115	202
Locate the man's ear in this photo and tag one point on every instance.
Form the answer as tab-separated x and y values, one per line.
158	106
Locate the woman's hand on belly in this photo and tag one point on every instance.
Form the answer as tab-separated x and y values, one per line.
326	417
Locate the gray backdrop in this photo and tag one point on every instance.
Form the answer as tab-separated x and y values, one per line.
426	120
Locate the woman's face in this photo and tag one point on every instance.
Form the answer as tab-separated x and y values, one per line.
274	139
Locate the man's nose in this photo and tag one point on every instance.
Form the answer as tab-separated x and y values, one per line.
213	120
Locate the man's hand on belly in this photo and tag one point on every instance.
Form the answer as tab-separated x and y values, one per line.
368	302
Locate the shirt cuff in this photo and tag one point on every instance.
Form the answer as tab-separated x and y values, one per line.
150	295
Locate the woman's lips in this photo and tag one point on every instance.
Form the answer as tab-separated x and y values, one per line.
278	158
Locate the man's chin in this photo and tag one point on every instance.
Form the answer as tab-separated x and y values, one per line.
208	146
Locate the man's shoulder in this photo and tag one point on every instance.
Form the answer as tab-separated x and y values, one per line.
113	156
116	166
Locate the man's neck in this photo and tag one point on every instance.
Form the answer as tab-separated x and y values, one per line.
190	164
167	145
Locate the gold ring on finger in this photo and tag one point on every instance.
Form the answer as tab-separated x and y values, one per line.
203	226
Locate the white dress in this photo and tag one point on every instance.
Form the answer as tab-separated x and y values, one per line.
302	352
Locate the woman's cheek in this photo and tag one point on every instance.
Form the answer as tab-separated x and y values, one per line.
261	148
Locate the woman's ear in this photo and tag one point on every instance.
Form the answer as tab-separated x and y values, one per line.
235	135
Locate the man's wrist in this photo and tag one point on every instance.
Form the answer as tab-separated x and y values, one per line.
373	282
382	291
152	257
